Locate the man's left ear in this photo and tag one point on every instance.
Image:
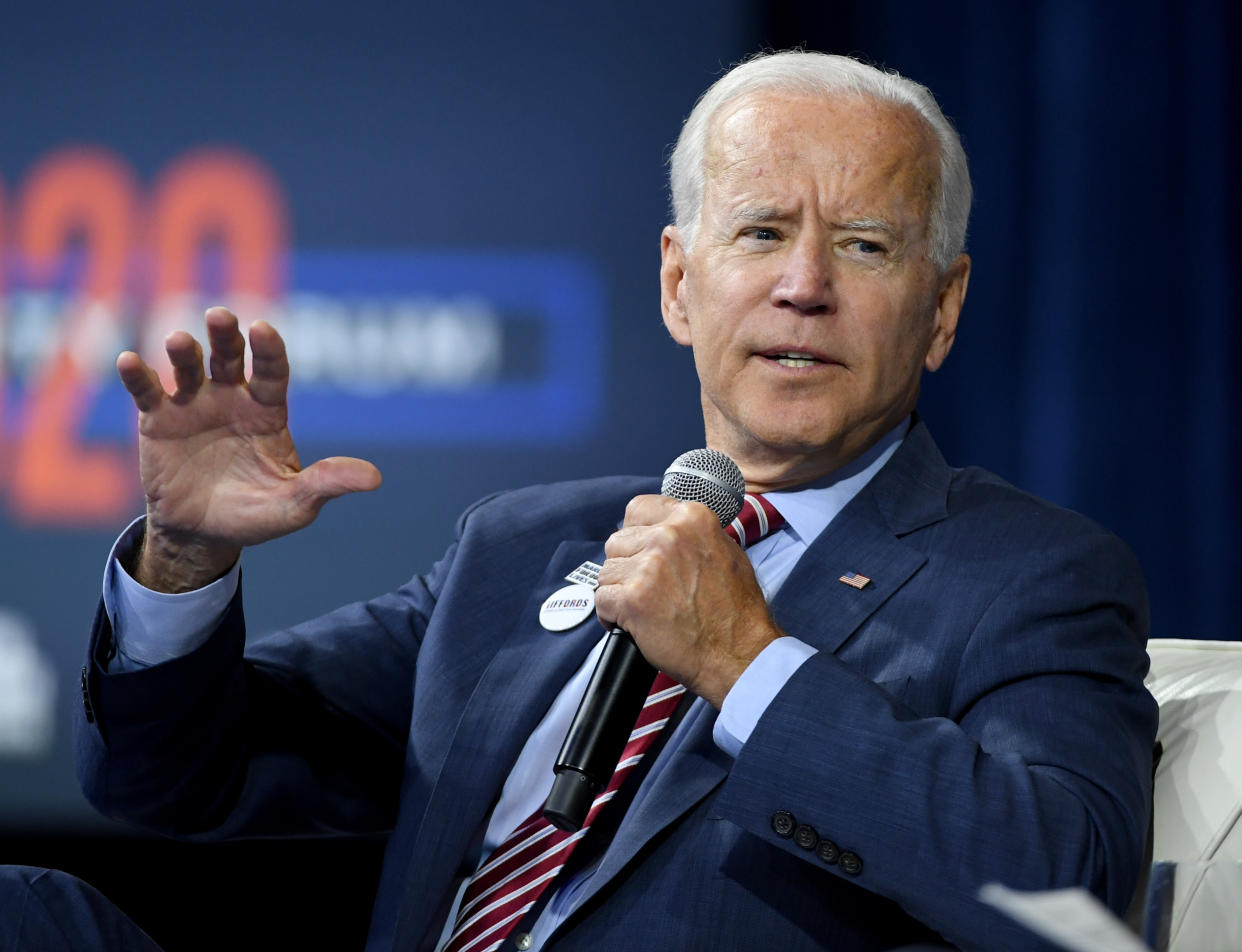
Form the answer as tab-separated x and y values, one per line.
672	272
949	302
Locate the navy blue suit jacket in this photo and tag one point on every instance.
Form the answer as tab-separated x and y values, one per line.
975	713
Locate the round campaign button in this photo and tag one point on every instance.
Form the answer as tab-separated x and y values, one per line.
567	607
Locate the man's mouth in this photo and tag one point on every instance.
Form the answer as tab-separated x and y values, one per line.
793	358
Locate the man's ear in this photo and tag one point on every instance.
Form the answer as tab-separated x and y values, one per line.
949	302
672	277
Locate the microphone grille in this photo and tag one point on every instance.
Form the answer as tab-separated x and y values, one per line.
710	477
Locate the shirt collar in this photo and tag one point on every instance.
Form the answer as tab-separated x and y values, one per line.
808	509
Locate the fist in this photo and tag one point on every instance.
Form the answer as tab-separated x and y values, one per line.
686	593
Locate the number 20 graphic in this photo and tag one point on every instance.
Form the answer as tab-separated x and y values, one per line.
137	254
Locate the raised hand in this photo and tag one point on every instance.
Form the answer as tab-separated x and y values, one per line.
218	464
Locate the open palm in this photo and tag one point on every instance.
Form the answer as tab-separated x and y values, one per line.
218	464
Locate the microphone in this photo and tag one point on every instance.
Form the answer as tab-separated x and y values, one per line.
622	678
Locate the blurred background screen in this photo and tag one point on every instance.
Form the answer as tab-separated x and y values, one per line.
452	213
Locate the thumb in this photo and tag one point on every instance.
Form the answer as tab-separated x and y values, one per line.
336	476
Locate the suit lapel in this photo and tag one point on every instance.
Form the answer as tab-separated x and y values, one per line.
522	679
531	666
867	539
822	610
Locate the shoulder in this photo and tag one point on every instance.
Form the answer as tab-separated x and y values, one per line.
980	527
985	502
1012	549
919	491
1004	521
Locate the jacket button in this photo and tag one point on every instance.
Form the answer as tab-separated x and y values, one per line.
806	837
851	863
828	852
783	823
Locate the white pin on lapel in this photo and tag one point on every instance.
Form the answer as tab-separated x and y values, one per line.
567	607
855	580
585	574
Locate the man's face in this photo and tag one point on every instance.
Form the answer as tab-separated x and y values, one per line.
809	296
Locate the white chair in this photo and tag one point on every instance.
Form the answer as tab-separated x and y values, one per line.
1195	897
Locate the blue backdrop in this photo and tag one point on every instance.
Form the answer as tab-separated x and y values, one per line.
455	214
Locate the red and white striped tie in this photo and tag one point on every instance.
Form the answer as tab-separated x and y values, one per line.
757	519
509	884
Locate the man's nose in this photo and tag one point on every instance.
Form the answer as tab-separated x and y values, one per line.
805	280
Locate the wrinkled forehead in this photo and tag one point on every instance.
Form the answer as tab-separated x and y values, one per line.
852	137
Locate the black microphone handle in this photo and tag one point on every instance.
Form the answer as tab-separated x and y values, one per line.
614	698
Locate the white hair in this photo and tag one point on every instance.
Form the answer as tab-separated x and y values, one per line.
823	74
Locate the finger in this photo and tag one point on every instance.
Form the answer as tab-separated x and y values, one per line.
624	585
141	381
649	510
612	572
269	372
627	541
186	356
228	347
336	476
609	593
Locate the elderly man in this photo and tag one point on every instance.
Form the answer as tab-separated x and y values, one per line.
922	681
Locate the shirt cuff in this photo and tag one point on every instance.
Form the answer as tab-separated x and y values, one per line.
150	627
754	690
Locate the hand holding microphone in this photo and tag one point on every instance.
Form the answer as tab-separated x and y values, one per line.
675	580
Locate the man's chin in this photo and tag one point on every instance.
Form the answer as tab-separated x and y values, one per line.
777	459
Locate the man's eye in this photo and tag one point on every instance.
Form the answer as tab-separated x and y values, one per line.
867	247
763	234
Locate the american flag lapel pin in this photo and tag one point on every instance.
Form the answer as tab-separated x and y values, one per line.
854	580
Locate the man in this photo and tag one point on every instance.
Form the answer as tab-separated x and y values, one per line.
925	682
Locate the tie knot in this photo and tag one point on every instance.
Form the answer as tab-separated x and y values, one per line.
757	519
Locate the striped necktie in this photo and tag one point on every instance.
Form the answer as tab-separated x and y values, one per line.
513	878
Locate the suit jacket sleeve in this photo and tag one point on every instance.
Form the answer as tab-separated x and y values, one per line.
304	733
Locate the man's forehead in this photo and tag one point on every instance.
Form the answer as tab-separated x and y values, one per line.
783	123
855	138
